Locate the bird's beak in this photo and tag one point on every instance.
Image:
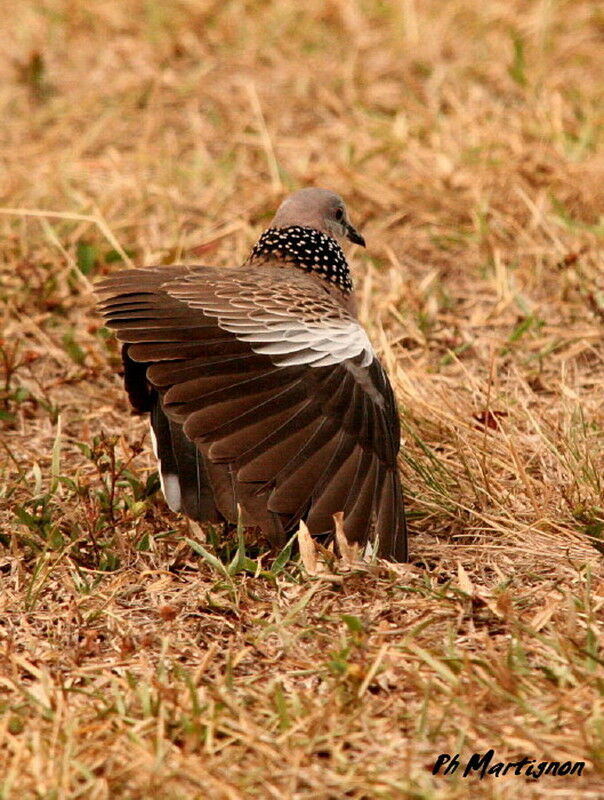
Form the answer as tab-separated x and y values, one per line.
354	235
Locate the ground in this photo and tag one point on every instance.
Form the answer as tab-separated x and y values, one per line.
143	657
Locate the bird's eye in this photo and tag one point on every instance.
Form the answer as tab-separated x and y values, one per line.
339	214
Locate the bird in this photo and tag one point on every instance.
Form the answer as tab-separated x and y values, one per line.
268	405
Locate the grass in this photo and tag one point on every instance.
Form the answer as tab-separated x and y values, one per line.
142	657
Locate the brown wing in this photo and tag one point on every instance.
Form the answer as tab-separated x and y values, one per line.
277	386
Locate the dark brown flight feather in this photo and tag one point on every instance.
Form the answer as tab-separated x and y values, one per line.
262	387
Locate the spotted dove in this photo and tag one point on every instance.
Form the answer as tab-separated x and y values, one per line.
263	389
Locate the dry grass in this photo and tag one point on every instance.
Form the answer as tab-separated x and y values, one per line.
466	137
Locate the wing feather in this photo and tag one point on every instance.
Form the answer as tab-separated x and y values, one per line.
277	387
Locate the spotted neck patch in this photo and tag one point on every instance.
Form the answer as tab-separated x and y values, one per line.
308	249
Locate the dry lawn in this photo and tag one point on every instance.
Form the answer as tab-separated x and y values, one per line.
466	137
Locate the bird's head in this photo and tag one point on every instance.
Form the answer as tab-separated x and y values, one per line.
319	209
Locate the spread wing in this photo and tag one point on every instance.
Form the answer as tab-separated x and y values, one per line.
278	387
